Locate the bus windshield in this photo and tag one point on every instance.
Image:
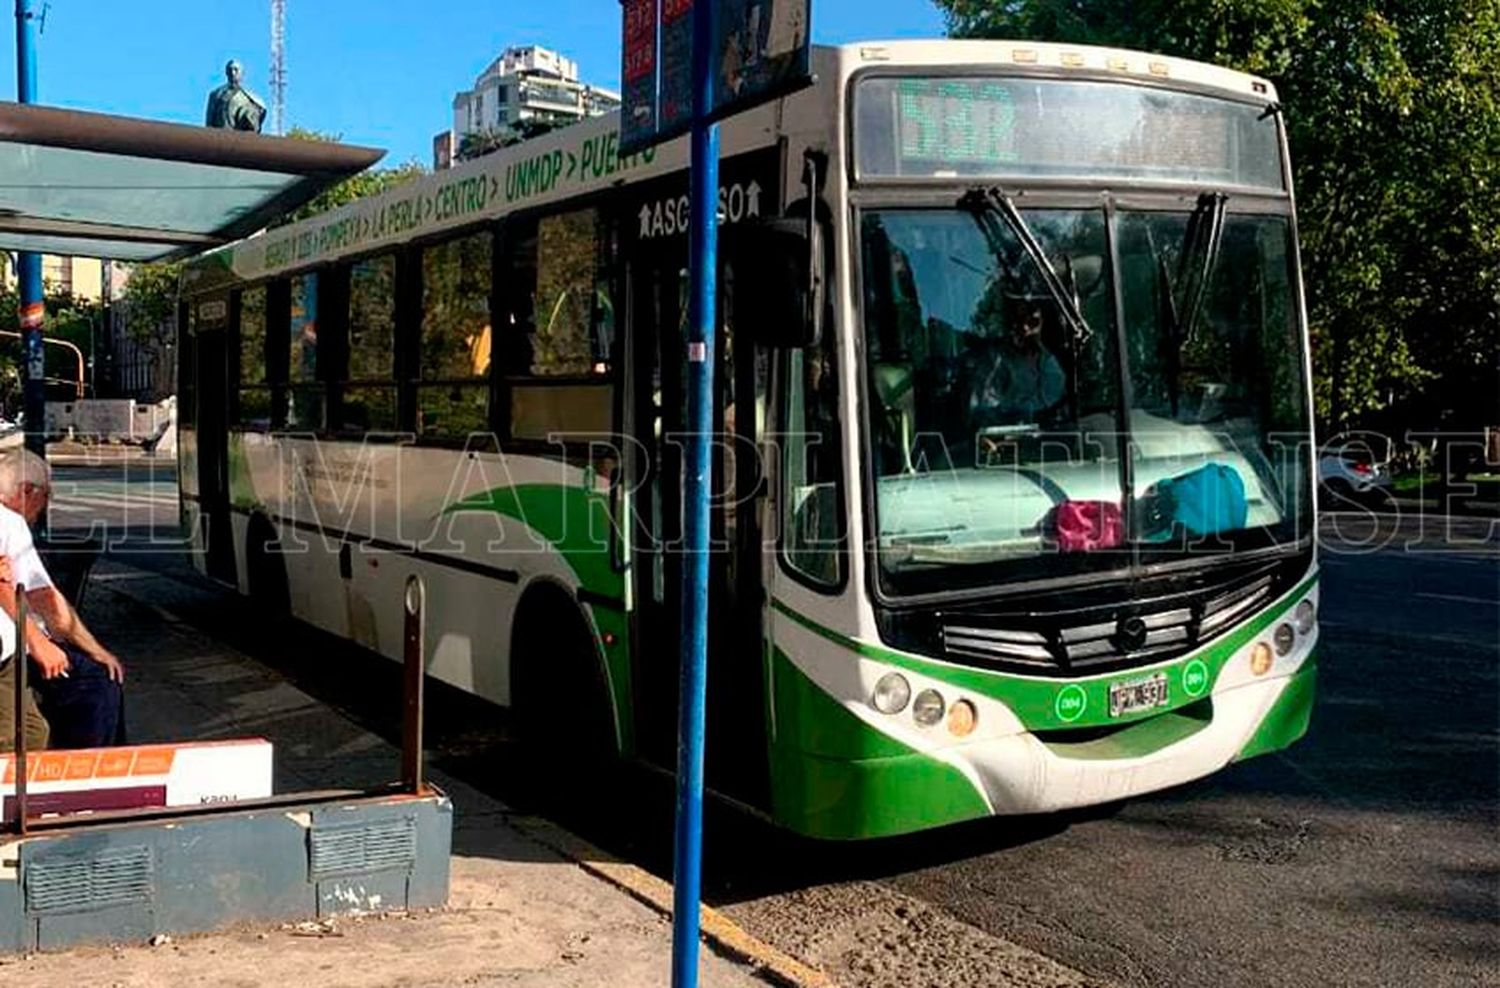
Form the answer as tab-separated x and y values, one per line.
1010	442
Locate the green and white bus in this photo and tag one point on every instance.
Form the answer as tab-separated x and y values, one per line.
1014	502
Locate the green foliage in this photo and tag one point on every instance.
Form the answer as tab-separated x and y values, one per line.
372	181
481	143
150	300
1393	112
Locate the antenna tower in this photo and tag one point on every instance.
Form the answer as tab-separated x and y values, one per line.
278	66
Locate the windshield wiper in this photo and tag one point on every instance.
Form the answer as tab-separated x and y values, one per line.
985	205
1205	233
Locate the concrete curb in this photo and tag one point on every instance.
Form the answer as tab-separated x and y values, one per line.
721	933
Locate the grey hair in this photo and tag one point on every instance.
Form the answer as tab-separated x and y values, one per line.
21	466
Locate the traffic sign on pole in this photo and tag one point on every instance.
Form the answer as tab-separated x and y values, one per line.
758	50
684	65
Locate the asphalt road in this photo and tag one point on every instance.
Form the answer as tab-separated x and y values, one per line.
1368	854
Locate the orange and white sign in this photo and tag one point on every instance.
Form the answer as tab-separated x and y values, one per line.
137	776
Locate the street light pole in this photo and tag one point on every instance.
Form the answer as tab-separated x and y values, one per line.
29	265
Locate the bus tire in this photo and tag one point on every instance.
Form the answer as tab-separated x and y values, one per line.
264	570
560	705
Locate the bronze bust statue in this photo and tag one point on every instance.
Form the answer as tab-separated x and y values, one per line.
232	106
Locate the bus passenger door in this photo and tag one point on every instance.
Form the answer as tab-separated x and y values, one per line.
211	350
736	753
738	763
657	312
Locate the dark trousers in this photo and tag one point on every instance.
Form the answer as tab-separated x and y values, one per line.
84	710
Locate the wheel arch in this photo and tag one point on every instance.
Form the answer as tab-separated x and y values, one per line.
544	599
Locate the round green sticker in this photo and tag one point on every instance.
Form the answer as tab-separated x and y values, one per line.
1070	703
1194	678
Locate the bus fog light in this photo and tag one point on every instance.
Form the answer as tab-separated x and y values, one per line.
962	718
891	693
1260	659
1304	617
927	708
1284	637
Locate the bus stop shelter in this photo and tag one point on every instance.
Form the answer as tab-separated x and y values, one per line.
108	868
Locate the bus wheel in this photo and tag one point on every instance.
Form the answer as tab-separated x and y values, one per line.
561	710
265	571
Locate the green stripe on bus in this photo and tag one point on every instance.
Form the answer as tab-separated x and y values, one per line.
1288	719
1046	705
574	521
577	524
834	777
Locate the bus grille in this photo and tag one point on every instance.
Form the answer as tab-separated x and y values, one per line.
1092	639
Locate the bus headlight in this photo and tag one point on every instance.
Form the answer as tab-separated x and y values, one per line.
927	708
1304	617
892	692
1284	637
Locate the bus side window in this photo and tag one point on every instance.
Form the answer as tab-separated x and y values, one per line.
253	392
369	392
305	390
453	363
557	336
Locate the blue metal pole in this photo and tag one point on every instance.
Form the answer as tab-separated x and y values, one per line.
29	266
703	244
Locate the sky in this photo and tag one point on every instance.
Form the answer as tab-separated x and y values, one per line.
378	72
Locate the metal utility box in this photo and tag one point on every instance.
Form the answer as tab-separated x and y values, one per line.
280	860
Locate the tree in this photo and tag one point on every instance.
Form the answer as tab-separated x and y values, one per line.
480	143
1393	113
68	317
371	181
148	306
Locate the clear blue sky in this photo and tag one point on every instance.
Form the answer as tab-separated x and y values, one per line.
379	72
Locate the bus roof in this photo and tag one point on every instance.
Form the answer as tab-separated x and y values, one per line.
583	158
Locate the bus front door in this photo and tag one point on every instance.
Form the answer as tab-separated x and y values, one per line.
736	750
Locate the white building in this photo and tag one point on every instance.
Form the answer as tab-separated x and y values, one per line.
529	83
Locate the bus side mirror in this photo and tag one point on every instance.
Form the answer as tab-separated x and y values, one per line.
778	282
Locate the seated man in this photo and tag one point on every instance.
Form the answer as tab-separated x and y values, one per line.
49	659
79	688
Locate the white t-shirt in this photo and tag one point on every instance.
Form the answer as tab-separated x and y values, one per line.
17	545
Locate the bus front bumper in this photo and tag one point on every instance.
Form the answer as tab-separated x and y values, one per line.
1027	773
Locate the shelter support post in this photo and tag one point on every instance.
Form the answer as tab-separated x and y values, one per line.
29	265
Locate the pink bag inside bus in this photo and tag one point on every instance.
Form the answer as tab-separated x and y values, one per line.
1084	526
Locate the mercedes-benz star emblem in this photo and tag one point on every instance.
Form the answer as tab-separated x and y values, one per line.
1130	634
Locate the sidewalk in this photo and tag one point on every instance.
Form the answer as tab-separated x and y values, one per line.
520	913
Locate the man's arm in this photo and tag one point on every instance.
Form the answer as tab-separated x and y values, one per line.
44	651
64	623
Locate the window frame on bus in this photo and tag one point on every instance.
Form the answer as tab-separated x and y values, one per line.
608	270
334	322
410	337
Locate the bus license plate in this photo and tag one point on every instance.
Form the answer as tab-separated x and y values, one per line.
1138	694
